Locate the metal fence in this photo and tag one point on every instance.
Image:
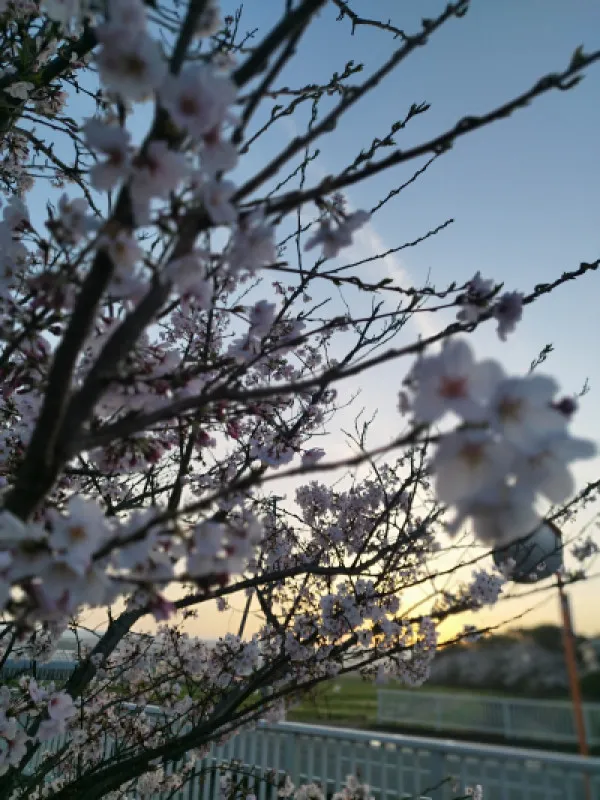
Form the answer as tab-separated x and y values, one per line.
394	766
406	766
533	720
51	671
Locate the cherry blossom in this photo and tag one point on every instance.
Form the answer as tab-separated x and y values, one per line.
12	529
114	143
522	408
467	461
333	239
189	277
498	514
453	381
585	549
485	588
20	90
124	251
158	172
16	215
508	311
261	318
476	299
251	245
50	729
130	64
129	15
61	707
77	535
313	455
542	464
210	19
198	99
74	222
63	11
218	154
216	196
167	352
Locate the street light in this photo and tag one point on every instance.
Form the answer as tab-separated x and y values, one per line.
533	558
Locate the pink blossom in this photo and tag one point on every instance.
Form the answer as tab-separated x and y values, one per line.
113	142
216	197
130	65
333	239
61	707
453	381
197	99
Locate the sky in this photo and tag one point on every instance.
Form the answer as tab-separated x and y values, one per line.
523	193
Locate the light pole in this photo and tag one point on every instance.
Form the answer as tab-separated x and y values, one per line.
536	557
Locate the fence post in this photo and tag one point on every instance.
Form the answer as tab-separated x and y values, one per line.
438	778
438	713
506	718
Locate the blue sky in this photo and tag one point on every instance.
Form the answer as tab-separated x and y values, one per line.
523	192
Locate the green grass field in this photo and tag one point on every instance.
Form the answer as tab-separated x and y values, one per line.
348	701
351	702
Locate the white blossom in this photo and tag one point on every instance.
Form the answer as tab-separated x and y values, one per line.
453	381
475	301
485	588
334	238
123	249
127	15
61	706
189	278
16	214
160	172
216	196
131	66
12	529
50	729
74	222
262	317
20	89
210	19
113	141
208	543
522	408
467	461
76	535
543	464
197	99
498	514
252	245
310	457
508	311
218	154
64	11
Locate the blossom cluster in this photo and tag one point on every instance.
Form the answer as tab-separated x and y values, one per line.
485	588
481	297
58	564
57	708
193	378
513	445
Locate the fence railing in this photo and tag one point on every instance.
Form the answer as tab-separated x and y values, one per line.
50	671
395	766
533	720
